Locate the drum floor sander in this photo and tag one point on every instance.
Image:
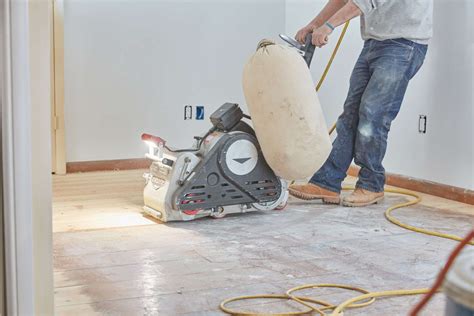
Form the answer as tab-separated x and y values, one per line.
225	172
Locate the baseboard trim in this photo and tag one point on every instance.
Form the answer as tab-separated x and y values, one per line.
107	165
419	185
424	186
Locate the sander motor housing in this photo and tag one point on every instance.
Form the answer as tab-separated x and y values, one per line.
224	173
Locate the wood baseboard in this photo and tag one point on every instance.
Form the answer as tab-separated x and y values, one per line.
424	186
107	165
419	185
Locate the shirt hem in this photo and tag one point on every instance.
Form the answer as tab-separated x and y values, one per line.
417	40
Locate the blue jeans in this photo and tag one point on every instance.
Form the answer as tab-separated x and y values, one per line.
377	87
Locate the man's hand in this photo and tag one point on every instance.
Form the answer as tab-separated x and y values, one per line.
321	36
301	35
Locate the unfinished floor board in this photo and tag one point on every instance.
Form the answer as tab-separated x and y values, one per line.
110	260
97	200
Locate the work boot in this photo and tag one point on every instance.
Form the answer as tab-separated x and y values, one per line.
311	191
361	197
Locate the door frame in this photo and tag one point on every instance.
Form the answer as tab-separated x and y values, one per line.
58	139
27	215
15	102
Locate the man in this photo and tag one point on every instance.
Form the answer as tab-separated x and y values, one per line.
396	34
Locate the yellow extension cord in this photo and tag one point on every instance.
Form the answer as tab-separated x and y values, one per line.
367	297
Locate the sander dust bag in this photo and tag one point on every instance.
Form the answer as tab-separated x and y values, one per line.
285	111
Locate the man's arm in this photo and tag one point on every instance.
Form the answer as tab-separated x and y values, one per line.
349	11
327	12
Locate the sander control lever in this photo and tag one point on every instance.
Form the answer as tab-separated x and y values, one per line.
306	50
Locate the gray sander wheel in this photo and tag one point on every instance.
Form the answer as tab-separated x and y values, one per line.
241	157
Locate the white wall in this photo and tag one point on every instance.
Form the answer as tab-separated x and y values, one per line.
442	90
131	66
128	70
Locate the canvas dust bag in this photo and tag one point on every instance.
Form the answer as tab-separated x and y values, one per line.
285	110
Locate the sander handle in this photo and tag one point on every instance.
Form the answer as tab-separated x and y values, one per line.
307	50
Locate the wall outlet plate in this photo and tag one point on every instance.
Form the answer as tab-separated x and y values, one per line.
199	112
422	121
188	112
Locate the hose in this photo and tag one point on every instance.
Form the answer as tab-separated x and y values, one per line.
393	220
331	59
338	311
198	147
367	297
329	64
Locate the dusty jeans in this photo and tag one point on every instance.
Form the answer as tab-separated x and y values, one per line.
377	87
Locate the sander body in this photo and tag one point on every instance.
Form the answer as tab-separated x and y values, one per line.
224	172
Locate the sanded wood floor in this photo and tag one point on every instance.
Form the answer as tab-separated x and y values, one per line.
110	260
97	200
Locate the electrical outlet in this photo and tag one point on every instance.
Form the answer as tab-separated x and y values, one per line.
188	112
422	124
199	112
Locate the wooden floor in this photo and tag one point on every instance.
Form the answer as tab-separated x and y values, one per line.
110	260
98	200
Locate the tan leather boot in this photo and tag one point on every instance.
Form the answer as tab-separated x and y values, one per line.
361	197
313	192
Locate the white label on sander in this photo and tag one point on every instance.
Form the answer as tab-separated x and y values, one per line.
242	157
